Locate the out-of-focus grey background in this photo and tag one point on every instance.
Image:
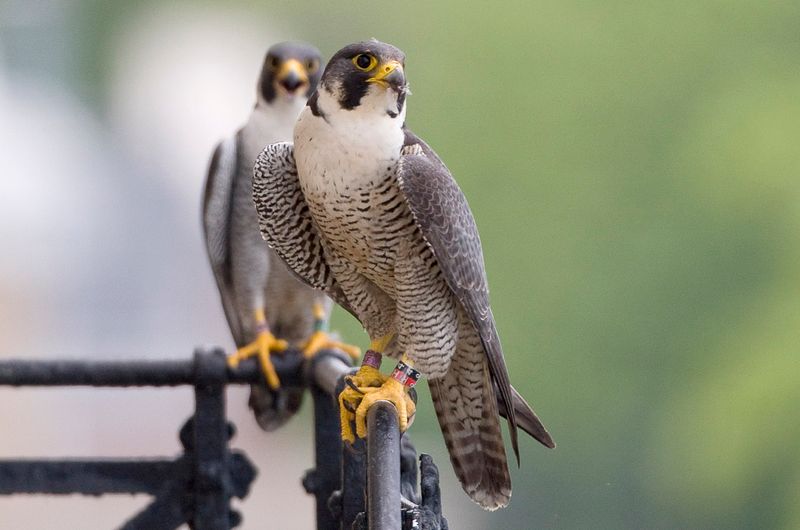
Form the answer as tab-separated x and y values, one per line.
633	168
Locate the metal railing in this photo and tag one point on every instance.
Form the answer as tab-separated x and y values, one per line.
370	485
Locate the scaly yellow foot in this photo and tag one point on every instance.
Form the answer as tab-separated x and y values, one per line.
320	340
392	391
264	343
364	381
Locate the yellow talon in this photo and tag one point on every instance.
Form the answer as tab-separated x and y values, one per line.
264	343
367	380
320	340
394	392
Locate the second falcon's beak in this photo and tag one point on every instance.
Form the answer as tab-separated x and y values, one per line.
390	74
292	76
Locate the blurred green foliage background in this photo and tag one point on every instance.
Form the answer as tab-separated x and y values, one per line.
633	167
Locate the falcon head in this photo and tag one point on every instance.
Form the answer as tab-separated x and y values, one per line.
368	76
291	70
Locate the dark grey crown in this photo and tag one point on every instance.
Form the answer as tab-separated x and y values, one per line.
343	75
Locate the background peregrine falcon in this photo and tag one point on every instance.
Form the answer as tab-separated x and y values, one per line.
265	305
363	209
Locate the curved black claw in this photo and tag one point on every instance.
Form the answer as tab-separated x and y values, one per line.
349	406
349	382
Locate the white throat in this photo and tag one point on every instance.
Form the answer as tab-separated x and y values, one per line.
271	122
377	102
368	128
344	147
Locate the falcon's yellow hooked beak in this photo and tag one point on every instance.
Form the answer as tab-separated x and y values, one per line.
291	76
390	74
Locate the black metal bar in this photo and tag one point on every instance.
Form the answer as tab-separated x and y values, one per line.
383	467
19	372
353	476
242	473
324	479
327	370
427	512
409	473
197	487
167	511
211	496
354	480
87	477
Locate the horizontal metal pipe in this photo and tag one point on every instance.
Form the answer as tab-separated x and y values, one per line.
89	477
17	372
23	372
327	370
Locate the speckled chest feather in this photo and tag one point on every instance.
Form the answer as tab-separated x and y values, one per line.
347	169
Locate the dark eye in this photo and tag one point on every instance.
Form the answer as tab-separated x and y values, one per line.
312	65
364	61
274	62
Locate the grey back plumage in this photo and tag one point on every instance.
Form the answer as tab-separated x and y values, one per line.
250	278
446	222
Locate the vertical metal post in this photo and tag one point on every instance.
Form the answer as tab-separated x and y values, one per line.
353	476
211	496
383	468
325	478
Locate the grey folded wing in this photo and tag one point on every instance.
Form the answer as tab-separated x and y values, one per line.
216	219
443	216
527	419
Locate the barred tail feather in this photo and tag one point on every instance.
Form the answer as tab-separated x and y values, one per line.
467	411
273	408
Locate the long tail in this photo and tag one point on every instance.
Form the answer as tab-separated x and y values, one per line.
527	419
273	408
466	407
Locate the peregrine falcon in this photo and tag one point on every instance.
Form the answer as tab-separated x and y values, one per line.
361	208
265	304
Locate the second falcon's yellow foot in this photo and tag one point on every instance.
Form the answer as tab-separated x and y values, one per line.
394	392
320	340
261	347
366	380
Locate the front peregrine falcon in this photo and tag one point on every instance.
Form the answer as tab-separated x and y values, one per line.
264	303
363	209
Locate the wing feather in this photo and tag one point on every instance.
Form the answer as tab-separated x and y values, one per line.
447	224
285	221
216	217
